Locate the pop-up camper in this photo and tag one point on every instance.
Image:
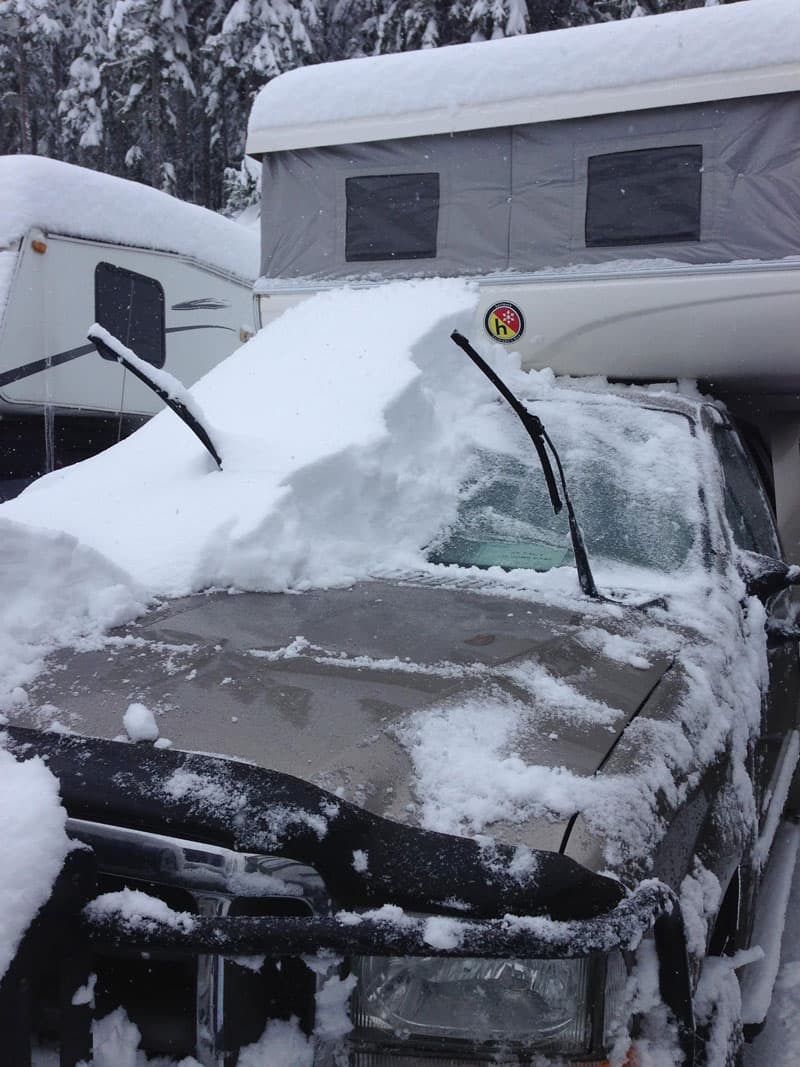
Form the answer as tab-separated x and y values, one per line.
626	195
171	280
631	189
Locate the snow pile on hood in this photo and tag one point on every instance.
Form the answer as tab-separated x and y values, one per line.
320	420
34	846
55	592
65	199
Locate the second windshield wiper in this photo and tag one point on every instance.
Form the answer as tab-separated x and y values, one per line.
541	441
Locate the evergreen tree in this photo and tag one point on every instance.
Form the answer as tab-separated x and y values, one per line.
32	33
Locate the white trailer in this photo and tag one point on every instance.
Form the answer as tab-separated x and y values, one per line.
171	280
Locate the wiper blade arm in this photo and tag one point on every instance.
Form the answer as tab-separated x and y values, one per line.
532	423
111	348
541	440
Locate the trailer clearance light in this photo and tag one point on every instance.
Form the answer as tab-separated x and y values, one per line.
39	246
471	1009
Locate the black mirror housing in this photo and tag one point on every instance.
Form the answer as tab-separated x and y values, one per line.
765	576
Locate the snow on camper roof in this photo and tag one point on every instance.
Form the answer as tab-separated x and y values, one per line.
714	53
65	199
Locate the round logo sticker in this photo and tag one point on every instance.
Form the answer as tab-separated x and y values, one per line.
504	322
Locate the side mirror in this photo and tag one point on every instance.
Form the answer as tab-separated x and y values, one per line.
765	576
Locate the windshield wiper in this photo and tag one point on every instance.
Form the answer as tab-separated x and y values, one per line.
164	385
541	441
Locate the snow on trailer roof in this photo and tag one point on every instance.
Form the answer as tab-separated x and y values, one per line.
714	53
65	199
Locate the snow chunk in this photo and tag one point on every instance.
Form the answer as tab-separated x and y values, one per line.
332	1018
115	1043
35	846
133	908
700	896
360	861
140	723
442	932
281	1043
616	647
56	592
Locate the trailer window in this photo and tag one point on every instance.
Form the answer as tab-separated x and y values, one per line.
131	306
646	196
391	216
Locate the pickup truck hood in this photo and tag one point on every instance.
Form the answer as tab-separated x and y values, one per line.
319	684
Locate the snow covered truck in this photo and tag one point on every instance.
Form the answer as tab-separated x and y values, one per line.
505	714
169	278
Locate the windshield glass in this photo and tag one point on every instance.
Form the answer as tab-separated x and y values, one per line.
631	473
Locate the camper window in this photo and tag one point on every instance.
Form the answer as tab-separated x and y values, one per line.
131	306
391	216
646	196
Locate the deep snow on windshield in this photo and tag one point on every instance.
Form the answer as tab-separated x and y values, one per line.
646	517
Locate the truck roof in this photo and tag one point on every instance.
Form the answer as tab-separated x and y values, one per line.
705	54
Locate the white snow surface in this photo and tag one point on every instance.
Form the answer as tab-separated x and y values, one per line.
133	908
56	591
62	198
35	846
528	77
301	413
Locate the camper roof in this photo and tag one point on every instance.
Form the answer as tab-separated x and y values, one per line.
714	53
64	199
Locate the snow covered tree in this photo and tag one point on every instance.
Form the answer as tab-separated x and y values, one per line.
490	19
84	101
149	49
31	32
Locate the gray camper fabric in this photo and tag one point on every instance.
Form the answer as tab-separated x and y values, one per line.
702	183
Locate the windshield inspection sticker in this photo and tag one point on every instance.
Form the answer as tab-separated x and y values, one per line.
504	322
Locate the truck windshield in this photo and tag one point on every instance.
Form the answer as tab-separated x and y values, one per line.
632	475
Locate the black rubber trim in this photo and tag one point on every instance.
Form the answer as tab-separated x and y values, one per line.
251	809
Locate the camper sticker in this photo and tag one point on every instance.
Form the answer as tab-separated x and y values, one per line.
504	322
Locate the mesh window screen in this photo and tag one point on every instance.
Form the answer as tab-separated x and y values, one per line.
648	196
392	216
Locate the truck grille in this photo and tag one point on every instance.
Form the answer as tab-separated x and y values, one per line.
206	1006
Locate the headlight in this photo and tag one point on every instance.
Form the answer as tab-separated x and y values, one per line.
454	1006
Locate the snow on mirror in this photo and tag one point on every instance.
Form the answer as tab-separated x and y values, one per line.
631	476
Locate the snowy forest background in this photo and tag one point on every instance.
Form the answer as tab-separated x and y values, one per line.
160	90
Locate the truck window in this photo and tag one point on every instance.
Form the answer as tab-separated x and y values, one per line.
391	216
646	196
131	306
746	503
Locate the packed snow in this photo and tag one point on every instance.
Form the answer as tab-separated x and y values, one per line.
140	723
65	199
565	73
35	846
